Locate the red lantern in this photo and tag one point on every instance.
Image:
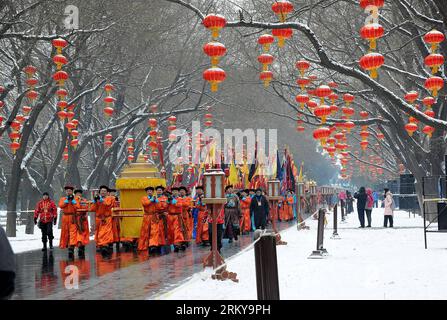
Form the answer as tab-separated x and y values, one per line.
300	128
434	38
333	96
1	120
60	77
59	44
62	104
364	145
172	137
371	62
31	82
434	84
108	111
265	59
349	125
130	158
214	76
172	127
14	135
372	32
282	35
214	22
30	70
364	135
130	140
26	109
428	102
61	93
153	108
434	61
348	98
108	136
266	76
302	99
322	134
172	119
428	131
323	92
20	118
75	122
215	50
32	95
109	100
302	66
14	146
430	113
411	128
153	145
312	104
411	96
282	8
380	136
322	112
130	149
70	126
303	82
333	85
375	3
334	109
70	115
65	156
62	115
153	134
109	87
59	60
153	123
154	155
363	114
266	40
74	133
16	125
348	112
74	143
108	143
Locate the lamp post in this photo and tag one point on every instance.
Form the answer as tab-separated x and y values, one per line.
214	189
273	189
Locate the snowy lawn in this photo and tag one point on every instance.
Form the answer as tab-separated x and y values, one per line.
374	263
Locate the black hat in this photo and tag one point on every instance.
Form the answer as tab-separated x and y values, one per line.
45	194
183	188
251	190
149	188
112	190
228	187
104	187
246	191
78	191
199	187
160	187
258	189
175	188
68	188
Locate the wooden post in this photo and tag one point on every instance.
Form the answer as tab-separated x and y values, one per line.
266	266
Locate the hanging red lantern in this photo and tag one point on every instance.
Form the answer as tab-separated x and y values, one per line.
214	23
411	128
155	155
130	158
322	92
108	136
348	98
20	118
172	137
333	85
61	93
65	156
153	134
130	140
130	149
348	112
322	112
375	3
372	32
74	133
30	70
153	145
364	114
302	99
26	110
380	136
282	35
333	96
282	8
74	143
266	40
265	59
430	113
214	76
16	125
331	150
108	111
32	95
70	126
215	50
14	146
1	120
434	84
434	61
70	115
434	38
322	134
60	77
371	62
32	82
364	145
109	88
266	76
300	128
302	66
62	115
364	135
108	143
109	100
172	127
311	104
60	61
428	102
59	44
172	119
153	123
14	135
303	82
62	104
334	109
428	131
411	96
349	125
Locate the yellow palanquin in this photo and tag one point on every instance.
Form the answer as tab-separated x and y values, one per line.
131	183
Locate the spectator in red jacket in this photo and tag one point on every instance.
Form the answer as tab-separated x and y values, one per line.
46	212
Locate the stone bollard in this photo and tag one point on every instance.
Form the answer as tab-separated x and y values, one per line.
335	233
266	265
320	251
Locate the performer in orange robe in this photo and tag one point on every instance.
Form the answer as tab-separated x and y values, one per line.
187	213
71	236
245	223
82	221
162	215
116	221
202	236
102	205
177	231
152	233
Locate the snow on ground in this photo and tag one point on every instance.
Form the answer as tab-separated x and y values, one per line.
28	242
374	263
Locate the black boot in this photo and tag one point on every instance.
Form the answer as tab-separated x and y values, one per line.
183	247
176	248
44	248
117	245
71	253
51	244
81	252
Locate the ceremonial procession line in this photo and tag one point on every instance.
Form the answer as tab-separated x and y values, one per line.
374	263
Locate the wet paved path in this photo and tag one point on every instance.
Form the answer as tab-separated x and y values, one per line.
126	275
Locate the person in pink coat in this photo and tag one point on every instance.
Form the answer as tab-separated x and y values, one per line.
388	209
